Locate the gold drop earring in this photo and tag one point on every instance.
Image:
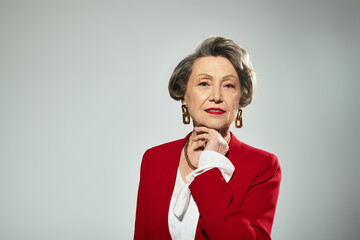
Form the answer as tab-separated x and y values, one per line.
238	119
185	114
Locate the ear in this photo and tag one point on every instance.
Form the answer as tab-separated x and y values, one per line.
183	102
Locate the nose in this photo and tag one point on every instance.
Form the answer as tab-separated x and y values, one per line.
216	94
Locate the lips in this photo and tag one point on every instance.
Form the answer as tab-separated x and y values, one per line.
215	111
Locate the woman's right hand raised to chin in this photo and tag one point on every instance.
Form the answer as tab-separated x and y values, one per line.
210	139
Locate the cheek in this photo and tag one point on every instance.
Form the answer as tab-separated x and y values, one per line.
194	99
189	102
187	98
235	102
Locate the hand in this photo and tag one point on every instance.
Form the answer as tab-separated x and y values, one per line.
211	138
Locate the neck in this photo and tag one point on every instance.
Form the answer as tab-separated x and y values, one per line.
225	133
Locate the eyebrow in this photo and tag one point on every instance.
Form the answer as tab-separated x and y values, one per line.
230	76
205	75
211	77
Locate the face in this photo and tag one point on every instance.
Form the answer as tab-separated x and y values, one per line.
213	93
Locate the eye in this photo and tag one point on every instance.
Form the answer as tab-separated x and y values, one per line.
229	85
204	84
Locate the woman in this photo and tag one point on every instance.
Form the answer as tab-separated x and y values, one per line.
209	185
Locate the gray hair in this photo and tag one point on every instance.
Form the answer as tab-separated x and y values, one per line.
216	46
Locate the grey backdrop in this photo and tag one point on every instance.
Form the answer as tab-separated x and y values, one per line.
83	93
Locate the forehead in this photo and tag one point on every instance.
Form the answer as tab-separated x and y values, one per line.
213	65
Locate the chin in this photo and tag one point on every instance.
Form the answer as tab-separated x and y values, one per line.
215	125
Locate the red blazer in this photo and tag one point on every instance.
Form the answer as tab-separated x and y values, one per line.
243	208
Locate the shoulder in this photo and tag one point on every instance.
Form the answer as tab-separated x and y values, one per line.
260	156
254	164
264	165
161	158
164	148
243	153
163	153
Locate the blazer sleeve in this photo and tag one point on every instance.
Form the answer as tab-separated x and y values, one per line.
222	218
140	219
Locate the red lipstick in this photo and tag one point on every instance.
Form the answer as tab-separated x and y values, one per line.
215	111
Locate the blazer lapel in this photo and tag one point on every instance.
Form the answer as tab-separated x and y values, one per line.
167	174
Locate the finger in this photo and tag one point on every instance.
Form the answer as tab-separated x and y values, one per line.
199	144
205	130
201	137
201	129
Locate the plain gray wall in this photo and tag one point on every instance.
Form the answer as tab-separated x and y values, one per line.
83	93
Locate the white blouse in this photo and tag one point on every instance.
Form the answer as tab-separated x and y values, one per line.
183	212
183	227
